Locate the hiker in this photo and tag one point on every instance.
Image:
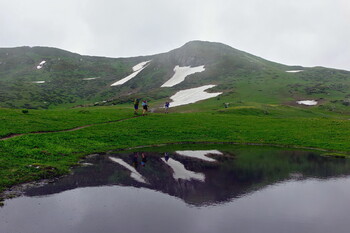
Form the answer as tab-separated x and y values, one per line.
166	106
136	105
145	107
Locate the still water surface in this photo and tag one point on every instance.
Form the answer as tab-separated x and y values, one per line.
229	189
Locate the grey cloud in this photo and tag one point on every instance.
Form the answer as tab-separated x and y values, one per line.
308	33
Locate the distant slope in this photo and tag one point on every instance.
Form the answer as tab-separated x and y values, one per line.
69	79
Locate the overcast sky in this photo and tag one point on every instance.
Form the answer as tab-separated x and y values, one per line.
293	32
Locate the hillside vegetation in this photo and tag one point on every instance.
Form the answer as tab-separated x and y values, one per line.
72	79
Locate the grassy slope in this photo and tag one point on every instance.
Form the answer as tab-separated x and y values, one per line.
240	75
36	156
15	122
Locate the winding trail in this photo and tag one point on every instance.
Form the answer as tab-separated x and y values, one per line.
64	130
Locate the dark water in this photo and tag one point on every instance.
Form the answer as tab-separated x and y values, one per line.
229	189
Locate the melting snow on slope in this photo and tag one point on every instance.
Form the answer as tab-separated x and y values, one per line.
199	154
134	174
307	102
89	78
181	73
294	71
38	82
137	69
192	95
180	172
41	64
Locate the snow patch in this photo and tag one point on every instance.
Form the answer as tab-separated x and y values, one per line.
199	154
180	172
181	73
41	64
89	78
294	71
137	69
192	95
38	82
140	65
134	174
307	102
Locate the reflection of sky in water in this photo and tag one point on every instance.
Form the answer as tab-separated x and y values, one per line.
180	172
313	206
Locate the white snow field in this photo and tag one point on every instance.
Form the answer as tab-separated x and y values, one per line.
134	174
294	71
180	172
199	154
137	69
41	64
307	102
181	73
38	82
192	95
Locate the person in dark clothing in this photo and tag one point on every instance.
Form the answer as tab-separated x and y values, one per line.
136	105
166	106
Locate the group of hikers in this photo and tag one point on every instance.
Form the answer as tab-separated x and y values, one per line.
145	106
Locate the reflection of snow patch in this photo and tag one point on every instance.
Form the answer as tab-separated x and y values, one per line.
137	69
181	73
41	64
134	174
307	102
38	82
180	172
294	71
192	95
199	154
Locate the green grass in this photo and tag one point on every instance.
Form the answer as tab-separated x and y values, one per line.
35	156
16	122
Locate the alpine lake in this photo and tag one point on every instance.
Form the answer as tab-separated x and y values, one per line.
190	188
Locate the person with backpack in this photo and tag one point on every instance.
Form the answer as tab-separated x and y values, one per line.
145	107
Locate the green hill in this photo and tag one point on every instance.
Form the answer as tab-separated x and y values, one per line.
69	79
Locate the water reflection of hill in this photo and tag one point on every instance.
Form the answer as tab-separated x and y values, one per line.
234	174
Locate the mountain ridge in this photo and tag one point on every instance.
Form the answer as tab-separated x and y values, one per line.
70	79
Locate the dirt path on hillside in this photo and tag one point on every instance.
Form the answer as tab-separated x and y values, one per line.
64	130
